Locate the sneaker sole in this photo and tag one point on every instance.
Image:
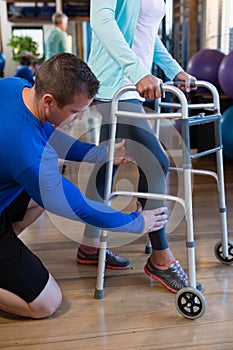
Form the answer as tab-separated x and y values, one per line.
159	280
87	262
91	262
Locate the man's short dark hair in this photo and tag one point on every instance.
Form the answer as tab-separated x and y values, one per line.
63	76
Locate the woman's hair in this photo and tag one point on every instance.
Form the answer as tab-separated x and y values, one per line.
63	76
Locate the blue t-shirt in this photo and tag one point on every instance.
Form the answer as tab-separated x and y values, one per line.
29	152
25	73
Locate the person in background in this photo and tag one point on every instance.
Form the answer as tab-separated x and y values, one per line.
30	181
56	38
35	65
24	70
125	43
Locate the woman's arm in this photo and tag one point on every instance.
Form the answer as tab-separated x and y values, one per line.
165	61
170	66
105	27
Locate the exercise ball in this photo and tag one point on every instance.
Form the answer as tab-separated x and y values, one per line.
204	65
227	132
225	74
2	61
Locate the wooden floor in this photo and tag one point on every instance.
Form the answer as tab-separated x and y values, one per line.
136	313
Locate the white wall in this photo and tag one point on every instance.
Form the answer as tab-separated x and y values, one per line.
6	30
6	35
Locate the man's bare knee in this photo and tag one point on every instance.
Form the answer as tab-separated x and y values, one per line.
48	301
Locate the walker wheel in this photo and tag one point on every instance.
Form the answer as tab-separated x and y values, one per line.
190	303
218	251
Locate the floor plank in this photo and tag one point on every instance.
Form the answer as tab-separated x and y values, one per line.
137	312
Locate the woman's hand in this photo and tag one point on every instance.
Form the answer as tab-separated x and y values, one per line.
150	87
187	79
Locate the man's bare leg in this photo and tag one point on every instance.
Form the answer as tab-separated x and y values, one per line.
43	306
49	299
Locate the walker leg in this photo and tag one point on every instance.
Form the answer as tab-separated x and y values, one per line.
99	289
190	243
222	204
187	166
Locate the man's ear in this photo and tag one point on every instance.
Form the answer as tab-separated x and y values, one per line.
48	100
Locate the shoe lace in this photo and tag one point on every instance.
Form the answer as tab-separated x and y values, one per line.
178	270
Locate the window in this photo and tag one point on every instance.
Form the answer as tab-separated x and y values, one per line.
219	25
36	33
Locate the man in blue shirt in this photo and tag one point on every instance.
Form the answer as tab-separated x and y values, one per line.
30	180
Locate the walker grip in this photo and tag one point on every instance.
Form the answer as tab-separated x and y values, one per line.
181	82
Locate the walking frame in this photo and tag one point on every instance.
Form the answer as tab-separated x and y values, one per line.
190	302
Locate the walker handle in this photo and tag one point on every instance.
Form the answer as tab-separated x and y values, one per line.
181	82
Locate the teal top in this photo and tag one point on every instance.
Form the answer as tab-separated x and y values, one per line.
113	23
55	42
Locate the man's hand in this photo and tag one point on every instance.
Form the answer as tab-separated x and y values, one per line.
150	87
155	219
187	79
120	154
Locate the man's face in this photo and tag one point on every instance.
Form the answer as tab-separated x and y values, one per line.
64	24
70	112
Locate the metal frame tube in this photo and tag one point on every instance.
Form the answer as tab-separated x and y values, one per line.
187	202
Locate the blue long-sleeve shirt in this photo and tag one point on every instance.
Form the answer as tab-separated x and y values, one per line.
29	152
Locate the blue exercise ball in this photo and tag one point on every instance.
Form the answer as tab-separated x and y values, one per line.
227	132
225	74
2	61
204	65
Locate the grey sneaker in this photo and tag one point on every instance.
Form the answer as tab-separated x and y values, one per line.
174	278
113	261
